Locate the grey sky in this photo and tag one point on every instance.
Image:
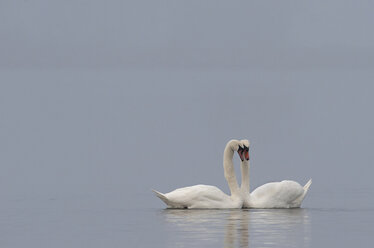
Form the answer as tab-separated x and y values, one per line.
195	34
123	97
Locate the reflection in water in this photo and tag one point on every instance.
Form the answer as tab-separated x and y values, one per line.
280	227
238	228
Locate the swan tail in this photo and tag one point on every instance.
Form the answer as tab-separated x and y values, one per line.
299	200
163	198
307	185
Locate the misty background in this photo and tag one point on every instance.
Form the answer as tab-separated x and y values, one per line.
108	100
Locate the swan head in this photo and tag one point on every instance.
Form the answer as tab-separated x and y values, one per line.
244	150
242	147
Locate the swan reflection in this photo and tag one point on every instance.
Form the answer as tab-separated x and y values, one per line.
238	228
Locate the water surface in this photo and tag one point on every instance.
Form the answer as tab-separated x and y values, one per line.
110	221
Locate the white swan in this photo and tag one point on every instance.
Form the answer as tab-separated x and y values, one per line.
284	194
206	196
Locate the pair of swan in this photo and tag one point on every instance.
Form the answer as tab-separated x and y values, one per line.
285	194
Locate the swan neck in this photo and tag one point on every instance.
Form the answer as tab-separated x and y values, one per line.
229	170
244	167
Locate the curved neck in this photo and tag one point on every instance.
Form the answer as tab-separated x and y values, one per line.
244	167
228	167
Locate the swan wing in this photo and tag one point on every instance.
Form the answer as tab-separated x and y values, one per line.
198	196
284	194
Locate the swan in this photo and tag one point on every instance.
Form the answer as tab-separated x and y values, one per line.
284	194
206	196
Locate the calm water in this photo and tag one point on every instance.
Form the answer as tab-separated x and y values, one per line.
327	220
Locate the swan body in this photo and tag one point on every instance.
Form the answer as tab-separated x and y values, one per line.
199	196
206	196
284	194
